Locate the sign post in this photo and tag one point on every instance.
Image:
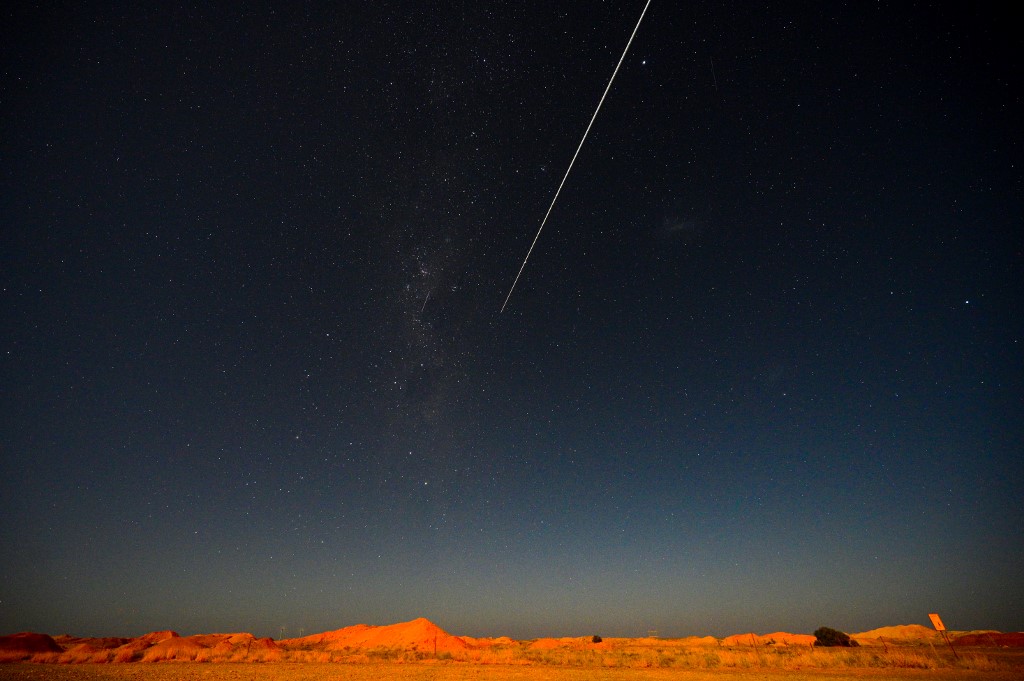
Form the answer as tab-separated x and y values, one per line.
941	628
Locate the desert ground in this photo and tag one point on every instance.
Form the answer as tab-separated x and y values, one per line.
196	671
420	650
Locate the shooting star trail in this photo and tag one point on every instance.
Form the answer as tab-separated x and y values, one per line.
569	169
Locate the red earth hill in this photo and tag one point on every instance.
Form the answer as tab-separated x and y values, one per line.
1009	640
420	635
22	646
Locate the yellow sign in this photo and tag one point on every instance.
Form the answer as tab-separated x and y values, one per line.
936	622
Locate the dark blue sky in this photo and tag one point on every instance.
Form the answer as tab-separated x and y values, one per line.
763	370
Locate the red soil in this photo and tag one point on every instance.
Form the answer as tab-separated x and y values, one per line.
779	638
420	634
1011	640
901	632
26	644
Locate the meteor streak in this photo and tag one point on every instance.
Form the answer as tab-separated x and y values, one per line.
569	169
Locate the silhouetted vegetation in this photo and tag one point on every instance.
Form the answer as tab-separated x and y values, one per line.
830	638
596	639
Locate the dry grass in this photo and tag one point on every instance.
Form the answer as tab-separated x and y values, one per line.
680	655
243	657
621	654
768	658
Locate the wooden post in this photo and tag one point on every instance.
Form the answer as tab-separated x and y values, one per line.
941	628
950	645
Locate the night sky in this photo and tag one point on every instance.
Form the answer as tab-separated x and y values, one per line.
764	369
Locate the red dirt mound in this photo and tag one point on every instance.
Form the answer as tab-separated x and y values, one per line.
176	648
238	648
29	642
342	634
782	638
779	638
157	636
420	634
900	632
1009	640
699	641
88	652
214	648
26	644
66	642
486	642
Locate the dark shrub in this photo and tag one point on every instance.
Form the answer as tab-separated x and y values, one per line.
595	639
830	638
